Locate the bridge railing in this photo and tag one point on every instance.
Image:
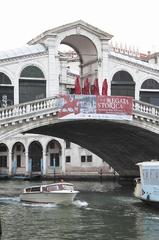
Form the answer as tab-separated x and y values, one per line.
51	105
28	108
145	109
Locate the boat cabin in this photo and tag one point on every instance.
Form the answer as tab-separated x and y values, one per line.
149	173
50	188
149	177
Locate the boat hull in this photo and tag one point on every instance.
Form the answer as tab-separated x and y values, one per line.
149	202
50	197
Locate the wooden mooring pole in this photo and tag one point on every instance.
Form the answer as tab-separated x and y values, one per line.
0	227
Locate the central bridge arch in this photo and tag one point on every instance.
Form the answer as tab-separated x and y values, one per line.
121	143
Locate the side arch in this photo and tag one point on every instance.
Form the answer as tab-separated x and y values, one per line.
35	151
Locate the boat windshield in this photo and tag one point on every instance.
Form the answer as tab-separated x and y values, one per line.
151	176
67	187
32	189
58	187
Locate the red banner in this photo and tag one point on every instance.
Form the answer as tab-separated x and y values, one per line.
95	107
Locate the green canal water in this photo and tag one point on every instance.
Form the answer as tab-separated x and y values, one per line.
106	211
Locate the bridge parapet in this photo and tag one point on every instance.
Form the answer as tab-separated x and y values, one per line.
25	111
145	111
28	110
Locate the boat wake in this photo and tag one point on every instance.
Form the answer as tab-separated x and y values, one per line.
43	205
9	199
80	204
16	200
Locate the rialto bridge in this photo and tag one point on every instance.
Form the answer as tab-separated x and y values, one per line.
120	143
31	75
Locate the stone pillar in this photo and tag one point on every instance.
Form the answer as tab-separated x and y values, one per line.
10	163
53	67
26	163
16	92
62	158
137	87
63	76
103	66
44	163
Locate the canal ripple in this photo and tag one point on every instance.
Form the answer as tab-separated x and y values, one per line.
104	211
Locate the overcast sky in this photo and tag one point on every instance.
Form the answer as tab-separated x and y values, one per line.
132	22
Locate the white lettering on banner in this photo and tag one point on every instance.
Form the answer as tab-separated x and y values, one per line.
114	104
110	105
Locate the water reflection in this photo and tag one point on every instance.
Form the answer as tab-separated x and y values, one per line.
100	211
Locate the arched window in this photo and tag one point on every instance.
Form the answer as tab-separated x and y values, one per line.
4	79
3	147
32	72
6	91
122	84
150	92
150	84
32	84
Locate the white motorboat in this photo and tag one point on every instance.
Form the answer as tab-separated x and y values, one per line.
147	186
58	193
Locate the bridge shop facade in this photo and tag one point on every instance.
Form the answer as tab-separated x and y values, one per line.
41	70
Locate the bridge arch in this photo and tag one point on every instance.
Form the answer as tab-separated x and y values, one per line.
83	45
88	53
65	38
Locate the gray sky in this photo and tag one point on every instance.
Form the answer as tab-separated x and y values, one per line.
132	22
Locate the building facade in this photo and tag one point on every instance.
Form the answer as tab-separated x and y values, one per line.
39	70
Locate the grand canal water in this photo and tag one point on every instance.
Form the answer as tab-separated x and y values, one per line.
106	211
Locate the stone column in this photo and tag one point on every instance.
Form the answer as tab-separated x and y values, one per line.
137	87
63	76
44	163
103	65
16	92
26	163
10	163
62	160
53	67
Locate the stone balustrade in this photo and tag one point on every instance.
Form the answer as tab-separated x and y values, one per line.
50	105
30	108
145	110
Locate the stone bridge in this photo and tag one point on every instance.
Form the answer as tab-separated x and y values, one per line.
120	143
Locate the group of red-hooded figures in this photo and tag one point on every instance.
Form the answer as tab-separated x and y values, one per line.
86	89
